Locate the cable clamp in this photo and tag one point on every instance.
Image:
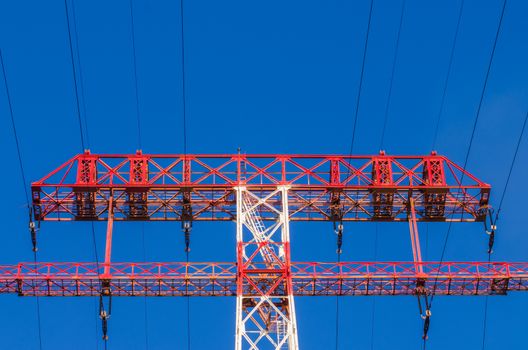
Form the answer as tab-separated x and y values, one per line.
428	313
33	230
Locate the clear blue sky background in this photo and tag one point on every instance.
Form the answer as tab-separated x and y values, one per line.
274	77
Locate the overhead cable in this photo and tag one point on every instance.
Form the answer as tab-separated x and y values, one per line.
138	120
475	123
394	60
74	74
24	183
356	115
446	81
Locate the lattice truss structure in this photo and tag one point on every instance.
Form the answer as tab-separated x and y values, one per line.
265	306
262	194
220	279
158	187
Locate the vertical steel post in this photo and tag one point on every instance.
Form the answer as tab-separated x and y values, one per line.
239	312
265	307
293	341
415	236
109	229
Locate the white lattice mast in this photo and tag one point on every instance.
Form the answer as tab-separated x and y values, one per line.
265	306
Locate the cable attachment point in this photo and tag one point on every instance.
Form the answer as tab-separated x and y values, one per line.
105	315
187	217
105	287
186	228
427	322
336	215
33	231
491	228
425	314
339	232
104	318
491	241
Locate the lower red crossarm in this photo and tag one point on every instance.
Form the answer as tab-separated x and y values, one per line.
219	279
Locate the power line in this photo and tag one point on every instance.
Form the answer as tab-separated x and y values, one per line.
356	114
188	322
24	183
519	141
512	165
373	311
138	119
183	80
74	75
96	257
79	118
74	71
475	125
185	147
337	313
469	148
442	103
485	322
360	88
472	135
145	298
446	81
81	80
135	71
394	60
466	160
146	322
38	305
22	172
485	83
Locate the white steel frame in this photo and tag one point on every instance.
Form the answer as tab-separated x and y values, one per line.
266	320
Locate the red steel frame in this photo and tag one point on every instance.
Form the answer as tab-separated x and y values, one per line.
320	188
262	193
220	279
158	187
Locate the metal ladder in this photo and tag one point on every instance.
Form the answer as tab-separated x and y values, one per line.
254	221
281	328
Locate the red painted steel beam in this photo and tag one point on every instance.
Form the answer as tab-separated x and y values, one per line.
357	188
219	279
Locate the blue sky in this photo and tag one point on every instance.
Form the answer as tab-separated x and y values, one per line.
269	77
